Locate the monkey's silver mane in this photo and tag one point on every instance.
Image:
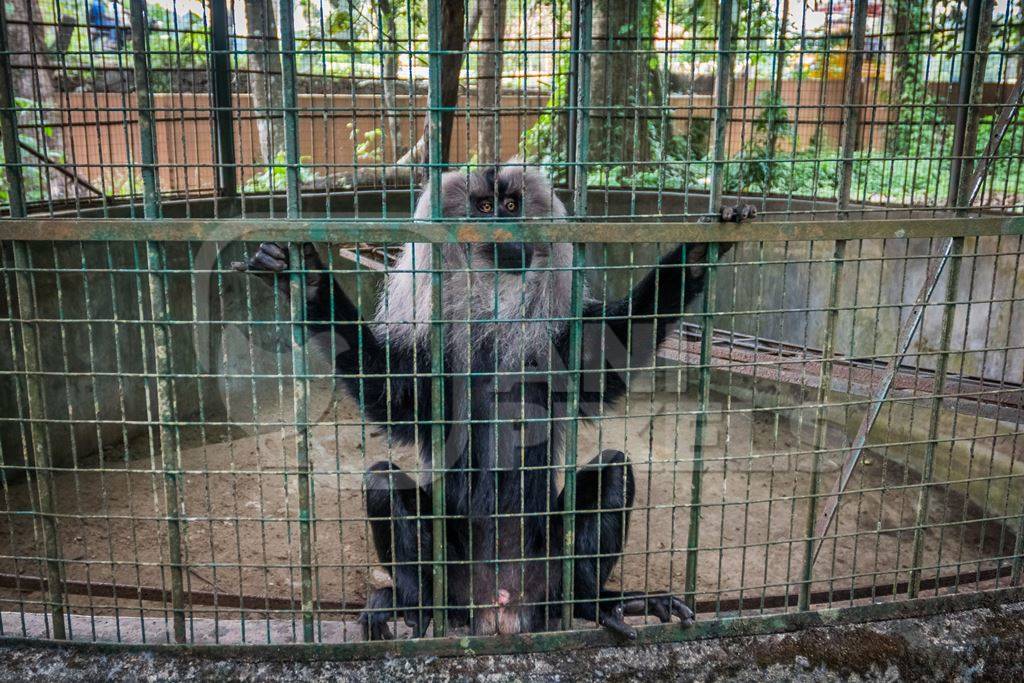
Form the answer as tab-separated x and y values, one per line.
515	314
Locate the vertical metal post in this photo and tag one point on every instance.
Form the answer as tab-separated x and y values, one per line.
923	498
1017	568
144	107
220	72
158	304
723	77
957	184
300	393
41	466
582	20
300	403
9	126
967	55
851	105
289	103
170	464
437	436
850	131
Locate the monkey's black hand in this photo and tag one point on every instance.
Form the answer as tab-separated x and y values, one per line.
738	213
271	259
697	253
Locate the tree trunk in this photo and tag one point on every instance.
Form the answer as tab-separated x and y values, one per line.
264	49
621	77
453	42
776	92
488	88
904	86
34	79
977	90
387	41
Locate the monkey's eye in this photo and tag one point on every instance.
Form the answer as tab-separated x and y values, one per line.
510	205
484	206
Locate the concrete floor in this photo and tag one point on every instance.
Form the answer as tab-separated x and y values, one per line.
975	645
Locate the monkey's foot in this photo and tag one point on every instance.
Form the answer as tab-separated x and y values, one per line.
664	607
380	609
375	626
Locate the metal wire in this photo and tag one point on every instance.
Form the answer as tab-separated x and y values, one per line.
835	424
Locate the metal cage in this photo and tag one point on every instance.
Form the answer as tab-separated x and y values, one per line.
829	433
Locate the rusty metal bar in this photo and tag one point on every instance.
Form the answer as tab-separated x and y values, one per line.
144	103
40	463
723	79
223	129
9	126
228	600
585	231
950	251
170	460
851	125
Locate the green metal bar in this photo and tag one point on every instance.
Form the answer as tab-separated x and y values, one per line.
41	464
9	126
300	394
950	249
560	641
583	20
437	435
301	407
170	461
966	88
959	190
921	509
583	30
173	479
289	102
824	385
851	106
220	70
851	123
1017	568
586	231
144	105
723	77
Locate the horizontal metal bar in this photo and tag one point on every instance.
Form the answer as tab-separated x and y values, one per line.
225	599
324	230
564	640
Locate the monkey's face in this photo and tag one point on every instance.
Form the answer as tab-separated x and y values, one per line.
495	195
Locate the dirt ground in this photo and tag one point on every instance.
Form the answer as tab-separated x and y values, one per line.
241	535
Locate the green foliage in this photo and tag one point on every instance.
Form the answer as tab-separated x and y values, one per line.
32	171
176	43
274	178
758	166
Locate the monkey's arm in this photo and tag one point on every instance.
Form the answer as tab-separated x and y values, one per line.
381	378
625	334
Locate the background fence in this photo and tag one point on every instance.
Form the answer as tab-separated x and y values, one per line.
836	423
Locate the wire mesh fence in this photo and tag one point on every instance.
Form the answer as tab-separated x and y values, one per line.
587	388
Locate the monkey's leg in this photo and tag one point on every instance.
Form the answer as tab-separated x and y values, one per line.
605	487
403	543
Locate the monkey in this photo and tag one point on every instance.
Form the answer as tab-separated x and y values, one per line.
506	399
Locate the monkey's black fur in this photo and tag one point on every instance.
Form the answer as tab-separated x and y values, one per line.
502	495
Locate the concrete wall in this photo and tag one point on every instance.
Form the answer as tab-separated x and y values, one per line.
230	345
